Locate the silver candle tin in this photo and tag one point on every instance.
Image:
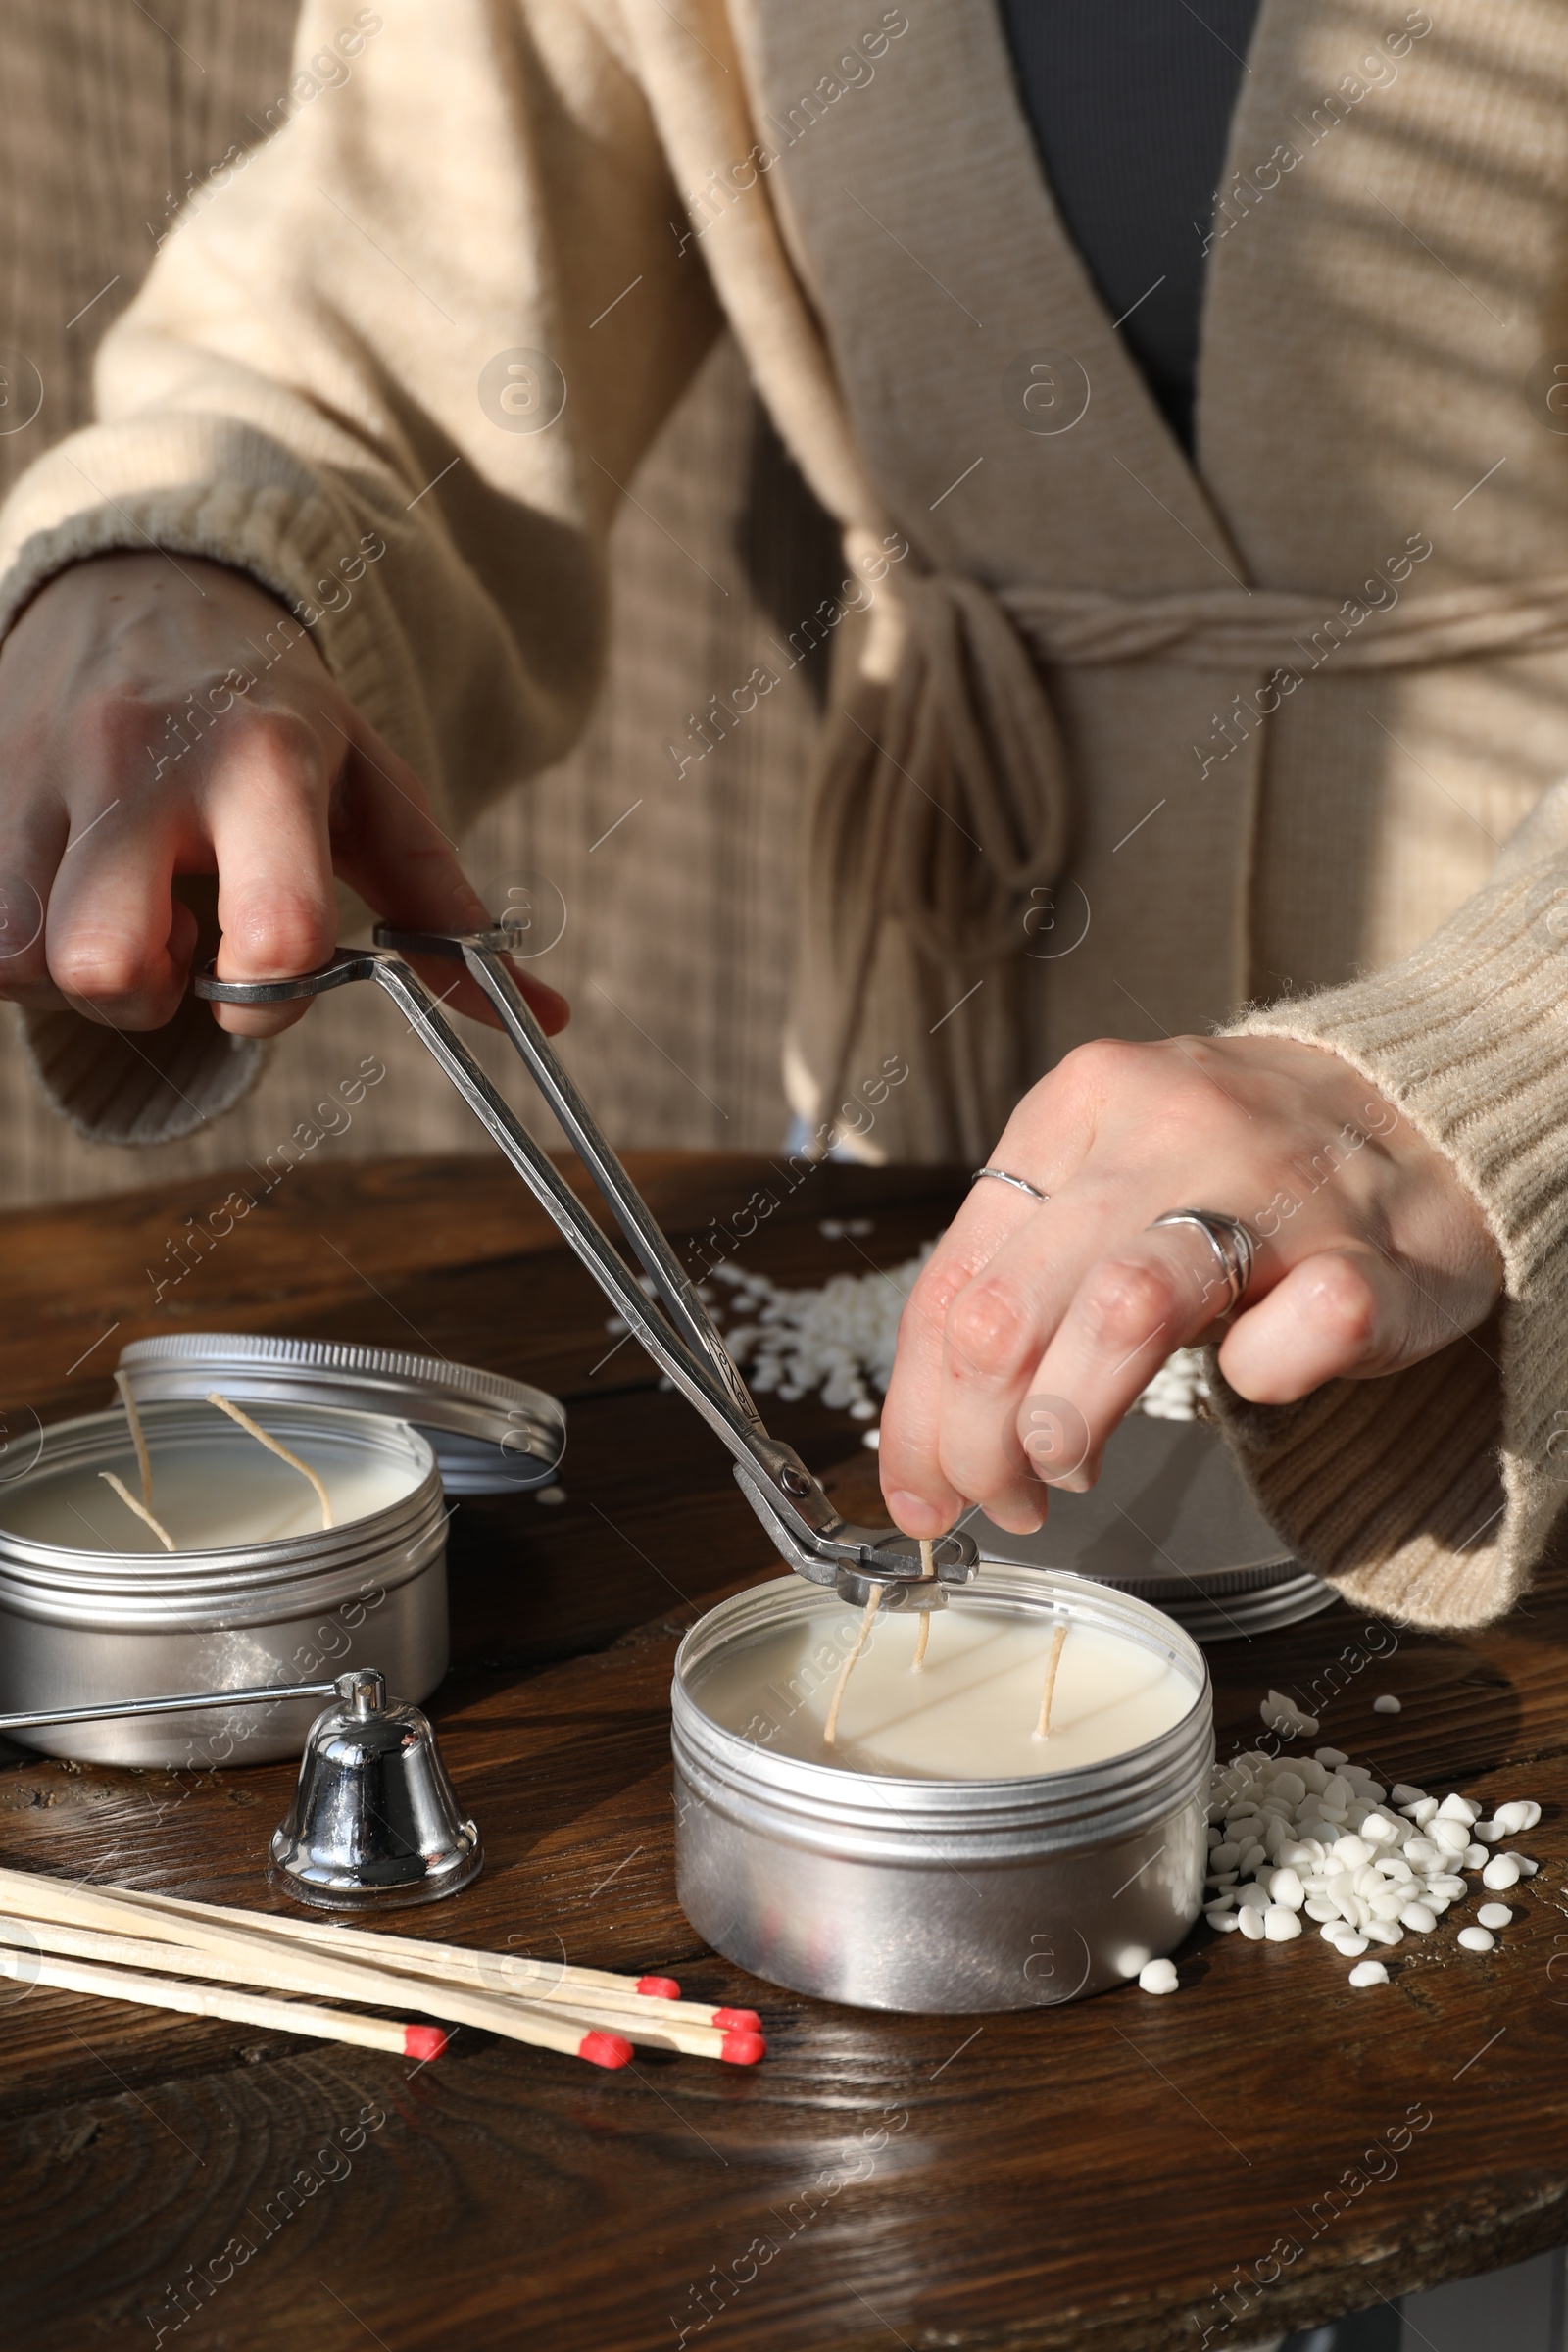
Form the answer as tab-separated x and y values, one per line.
78	1626
941	1895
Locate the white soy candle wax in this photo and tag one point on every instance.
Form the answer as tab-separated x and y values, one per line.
970	1709
212	1488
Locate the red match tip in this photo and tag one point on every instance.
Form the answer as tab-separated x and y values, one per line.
605	2049
743	2050
424	2041
738	2020
659	1989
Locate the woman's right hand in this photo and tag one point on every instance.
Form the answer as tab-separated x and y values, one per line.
163	718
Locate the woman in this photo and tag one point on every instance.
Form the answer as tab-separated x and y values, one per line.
1124	737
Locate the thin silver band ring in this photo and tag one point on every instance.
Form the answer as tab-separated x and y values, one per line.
1020	1184
1235	1250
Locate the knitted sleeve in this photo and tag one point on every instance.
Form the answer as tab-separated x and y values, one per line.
1429	1495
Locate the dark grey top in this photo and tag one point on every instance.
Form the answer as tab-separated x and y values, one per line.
1131	103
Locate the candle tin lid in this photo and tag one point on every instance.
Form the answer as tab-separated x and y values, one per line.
491	1435
1171	1521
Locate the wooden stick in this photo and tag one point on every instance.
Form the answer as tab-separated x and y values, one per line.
928	1567
273	1447
140	1509
516	1979
1043	1727
138	1438
121	1913
209	2001
831	1728
657	2024
458	1963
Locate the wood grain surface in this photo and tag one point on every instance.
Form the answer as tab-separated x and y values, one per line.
1265	2150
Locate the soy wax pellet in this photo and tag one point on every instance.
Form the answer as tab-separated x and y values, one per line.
1384	1704
1368	1972
1495	1915
1477	1939
1500	1871
1158	1976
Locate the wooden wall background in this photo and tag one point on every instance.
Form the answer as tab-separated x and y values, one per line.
678	933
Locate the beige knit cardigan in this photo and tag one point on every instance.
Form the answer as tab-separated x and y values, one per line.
1120	743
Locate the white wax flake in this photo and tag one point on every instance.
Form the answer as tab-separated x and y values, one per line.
873	1437
840	1338
1177	1390
1368	1972
1386	1704
1319	1839
549	1495
1282	1715
1158	1976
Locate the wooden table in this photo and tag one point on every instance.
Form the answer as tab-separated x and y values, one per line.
1092	2176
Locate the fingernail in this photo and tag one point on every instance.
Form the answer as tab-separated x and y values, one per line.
914	1514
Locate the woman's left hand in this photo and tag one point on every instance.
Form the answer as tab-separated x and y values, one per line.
1033	1327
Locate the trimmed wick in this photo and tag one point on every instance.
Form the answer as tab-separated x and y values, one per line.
1043	1727
928	1567
255	1430
830	1728
139	1438
140	1509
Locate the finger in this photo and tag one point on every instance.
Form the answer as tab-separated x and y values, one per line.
999	1328
920	1499
1132	1309
115	951
1155	1290
265	814
26	870
1344	1312
389	848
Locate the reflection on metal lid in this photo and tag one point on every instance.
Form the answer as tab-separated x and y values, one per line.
1171	1521
491	1435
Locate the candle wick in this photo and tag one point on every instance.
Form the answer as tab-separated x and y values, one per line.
140	1509
138	1438
255	1430
928	1567
1043	1727
830	1728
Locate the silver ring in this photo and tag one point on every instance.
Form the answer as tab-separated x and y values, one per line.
1020	1184
1235	1250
